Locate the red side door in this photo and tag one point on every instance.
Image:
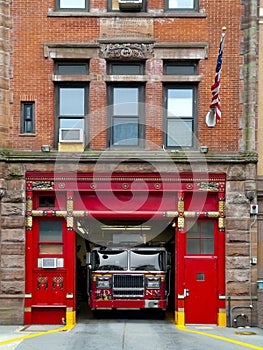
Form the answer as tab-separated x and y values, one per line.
201	292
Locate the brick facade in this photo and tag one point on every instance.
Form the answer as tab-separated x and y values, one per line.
92	28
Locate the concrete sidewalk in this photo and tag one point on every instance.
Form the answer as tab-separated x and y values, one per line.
248	335
11	336
14	334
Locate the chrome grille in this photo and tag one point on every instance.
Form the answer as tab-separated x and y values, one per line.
128	285
128	292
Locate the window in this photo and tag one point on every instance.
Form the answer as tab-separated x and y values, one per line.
126	111
200	238
71	5
67	68
180	68
50	231
127	5
126	115
123	68
71	109
27	117
71	102
182	5
180	109
50	237
180	104
46	201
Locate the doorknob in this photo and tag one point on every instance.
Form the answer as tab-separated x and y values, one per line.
186	292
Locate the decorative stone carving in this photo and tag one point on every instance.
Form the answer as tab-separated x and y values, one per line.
43	185
208	186
121	51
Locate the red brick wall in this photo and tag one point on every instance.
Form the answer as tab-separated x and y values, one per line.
33	73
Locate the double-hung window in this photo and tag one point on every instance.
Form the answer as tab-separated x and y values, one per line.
180	116
72	109
72	5
180	105
126	107
71	102
126	114
181	5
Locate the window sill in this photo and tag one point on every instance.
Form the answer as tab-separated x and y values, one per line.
152	14
27	135
128	78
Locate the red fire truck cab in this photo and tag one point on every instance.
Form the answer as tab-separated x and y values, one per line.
128	278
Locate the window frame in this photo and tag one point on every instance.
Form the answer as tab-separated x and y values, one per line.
201	238
140	117
49	201
181	9
58	63
55	247
140	65
110	5
71	9
184	63
180	86
23	120
58	117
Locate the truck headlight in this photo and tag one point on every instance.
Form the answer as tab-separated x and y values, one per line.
103	282
153	282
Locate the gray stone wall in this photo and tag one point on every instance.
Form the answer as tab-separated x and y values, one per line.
240	235
241	240
12	249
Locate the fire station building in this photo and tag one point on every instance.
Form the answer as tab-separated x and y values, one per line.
103	123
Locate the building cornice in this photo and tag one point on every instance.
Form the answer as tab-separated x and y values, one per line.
184	50
129	156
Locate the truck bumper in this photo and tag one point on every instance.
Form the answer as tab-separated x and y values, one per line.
128	304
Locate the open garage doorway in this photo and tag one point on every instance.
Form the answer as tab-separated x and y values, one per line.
90	212
134	267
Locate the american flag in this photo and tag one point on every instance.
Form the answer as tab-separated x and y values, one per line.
214	115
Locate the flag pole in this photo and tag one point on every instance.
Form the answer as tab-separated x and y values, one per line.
214	114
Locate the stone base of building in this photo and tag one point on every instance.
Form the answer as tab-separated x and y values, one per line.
260	308
11	310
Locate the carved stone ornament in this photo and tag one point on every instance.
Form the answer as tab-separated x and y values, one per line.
126	51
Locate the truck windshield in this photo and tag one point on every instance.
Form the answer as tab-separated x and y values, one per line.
147	260
111	260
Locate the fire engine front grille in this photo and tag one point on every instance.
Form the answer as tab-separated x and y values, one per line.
128	293
128	285
128	281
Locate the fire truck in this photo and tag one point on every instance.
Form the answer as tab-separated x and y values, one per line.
128	278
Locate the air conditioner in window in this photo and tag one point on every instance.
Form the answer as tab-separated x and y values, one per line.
49	263
71	135
130	5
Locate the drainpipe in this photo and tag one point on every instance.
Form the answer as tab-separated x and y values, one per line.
250	259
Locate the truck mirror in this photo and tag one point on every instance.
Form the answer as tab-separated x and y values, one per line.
88	260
